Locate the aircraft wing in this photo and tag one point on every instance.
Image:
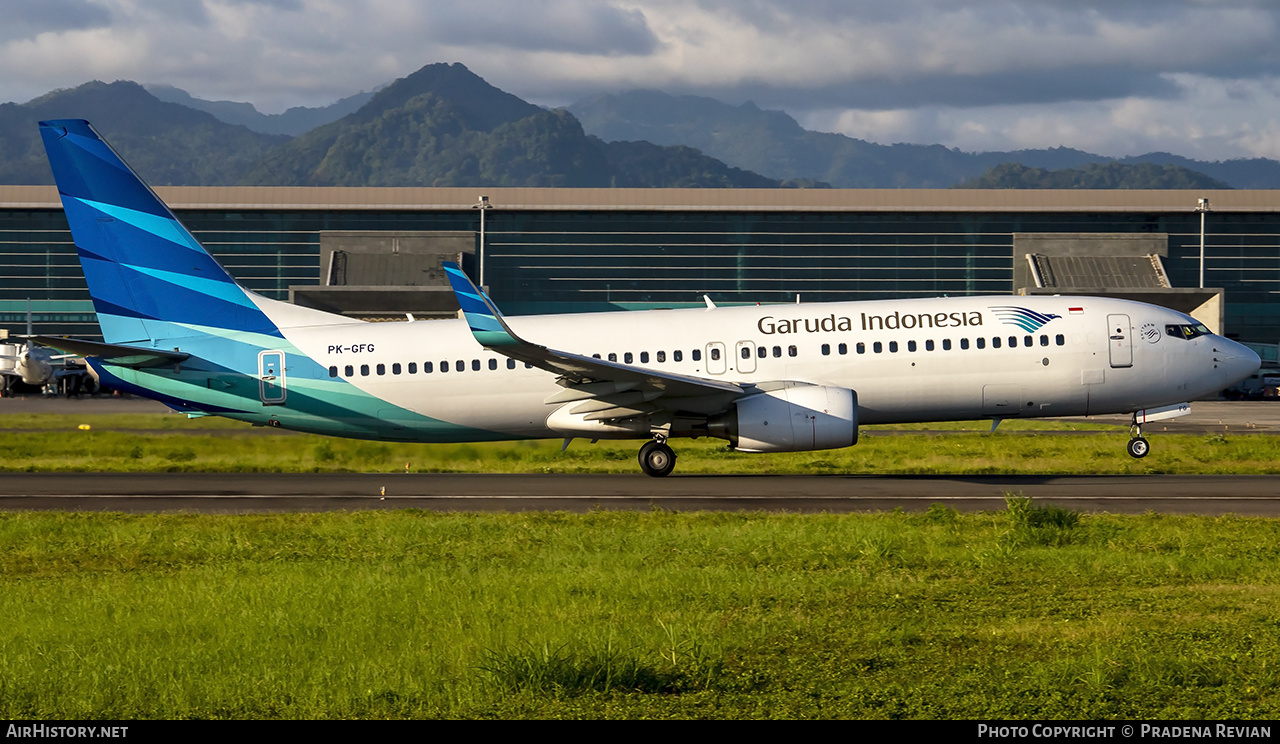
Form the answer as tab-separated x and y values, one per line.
124	356
619	390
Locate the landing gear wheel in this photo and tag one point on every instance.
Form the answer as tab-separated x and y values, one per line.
657	459
1139	447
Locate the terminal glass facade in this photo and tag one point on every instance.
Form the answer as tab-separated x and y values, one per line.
576	260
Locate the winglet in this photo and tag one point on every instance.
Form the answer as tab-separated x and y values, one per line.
483	317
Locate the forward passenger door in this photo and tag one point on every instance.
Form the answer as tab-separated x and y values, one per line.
1120	341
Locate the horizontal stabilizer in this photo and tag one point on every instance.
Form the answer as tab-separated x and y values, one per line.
122	356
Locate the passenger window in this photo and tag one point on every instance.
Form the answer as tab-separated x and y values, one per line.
364	370
662	357
444	366
1013	342
511	363
475	365
861	348
413	368
644	357
877	347
1028	341
493	364
382	369
677	356
696	355
777	351
1060	340
396	368
792	351
843	348
426	368
893	347
1044	340
826	349
762	352
613	357
911	346
995	342
715	353
349	371
627	358
964	343
333	371
928	345
746	352
946	344
981	342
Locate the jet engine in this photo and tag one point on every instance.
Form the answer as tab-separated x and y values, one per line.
796	418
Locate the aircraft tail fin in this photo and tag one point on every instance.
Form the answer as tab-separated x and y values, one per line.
146	273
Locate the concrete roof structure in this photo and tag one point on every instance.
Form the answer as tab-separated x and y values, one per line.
766	200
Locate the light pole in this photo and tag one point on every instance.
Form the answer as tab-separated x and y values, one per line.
1203	209
483	206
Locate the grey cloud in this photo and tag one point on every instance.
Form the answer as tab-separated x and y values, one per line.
1063	14
545	26
24	20
191	12
1102	49
277	4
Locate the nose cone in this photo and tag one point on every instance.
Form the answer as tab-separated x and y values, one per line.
1235	361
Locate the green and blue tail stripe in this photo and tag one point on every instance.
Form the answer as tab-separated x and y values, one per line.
154	287
146	273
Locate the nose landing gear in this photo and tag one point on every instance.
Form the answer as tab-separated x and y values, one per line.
656	458
1138	447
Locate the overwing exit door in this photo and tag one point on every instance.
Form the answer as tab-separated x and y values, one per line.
271	387
1119	341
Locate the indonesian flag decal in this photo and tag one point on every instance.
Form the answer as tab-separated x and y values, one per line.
1076	310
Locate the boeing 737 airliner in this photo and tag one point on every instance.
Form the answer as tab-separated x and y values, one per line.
785	378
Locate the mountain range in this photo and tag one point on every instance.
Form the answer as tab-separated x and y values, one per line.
774	143
441	126
445	126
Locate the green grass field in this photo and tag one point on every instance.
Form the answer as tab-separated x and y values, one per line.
1032	612
1027	613
151	443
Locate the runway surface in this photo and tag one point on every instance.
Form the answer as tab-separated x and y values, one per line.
244	493
1245	495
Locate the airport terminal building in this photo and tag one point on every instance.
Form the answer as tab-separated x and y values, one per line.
375	253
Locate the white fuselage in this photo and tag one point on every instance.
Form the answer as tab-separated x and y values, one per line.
907	360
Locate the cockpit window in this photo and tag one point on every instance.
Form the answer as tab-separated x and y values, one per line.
1187	332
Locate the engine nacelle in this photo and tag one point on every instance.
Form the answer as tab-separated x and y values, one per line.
796	418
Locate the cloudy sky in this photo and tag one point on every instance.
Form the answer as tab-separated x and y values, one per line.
1200	78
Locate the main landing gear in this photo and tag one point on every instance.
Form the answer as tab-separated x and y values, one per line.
1138	447
656	458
